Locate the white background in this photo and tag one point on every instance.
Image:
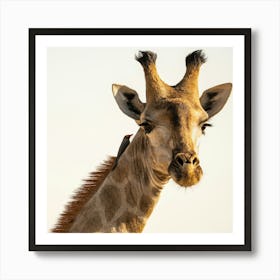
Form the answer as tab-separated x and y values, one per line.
18	263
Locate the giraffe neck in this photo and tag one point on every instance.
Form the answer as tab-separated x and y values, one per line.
127	196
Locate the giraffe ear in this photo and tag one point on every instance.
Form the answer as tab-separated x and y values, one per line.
213	99
128	101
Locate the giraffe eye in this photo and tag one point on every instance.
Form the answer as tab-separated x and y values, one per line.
147	127
203	127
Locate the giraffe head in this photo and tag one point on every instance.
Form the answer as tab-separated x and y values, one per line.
173	117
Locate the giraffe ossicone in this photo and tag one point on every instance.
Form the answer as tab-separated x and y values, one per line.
121	197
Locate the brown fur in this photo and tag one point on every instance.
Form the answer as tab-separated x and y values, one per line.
82	195
110	198
130	196
146	205
121	173
131	222
95	225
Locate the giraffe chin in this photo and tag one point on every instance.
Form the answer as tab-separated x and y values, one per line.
186	177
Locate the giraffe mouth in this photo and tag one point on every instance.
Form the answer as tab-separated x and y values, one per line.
185	176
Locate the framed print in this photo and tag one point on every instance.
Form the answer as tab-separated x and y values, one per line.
140	139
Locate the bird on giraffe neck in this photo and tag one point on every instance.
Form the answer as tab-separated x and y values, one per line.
124	144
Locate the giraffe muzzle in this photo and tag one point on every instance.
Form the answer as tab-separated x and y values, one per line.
185	169
186	158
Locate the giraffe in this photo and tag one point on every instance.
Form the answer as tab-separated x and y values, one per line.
120	196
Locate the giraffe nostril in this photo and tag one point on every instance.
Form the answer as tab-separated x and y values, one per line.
183	159
180	161
195	161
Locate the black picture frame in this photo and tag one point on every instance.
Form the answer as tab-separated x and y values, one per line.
246	32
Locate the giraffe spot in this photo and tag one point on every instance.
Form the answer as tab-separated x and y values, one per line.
146	205
95	223
130	196
110	198
131	222
87	221
119	173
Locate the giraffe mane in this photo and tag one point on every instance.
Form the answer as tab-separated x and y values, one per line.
82	195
